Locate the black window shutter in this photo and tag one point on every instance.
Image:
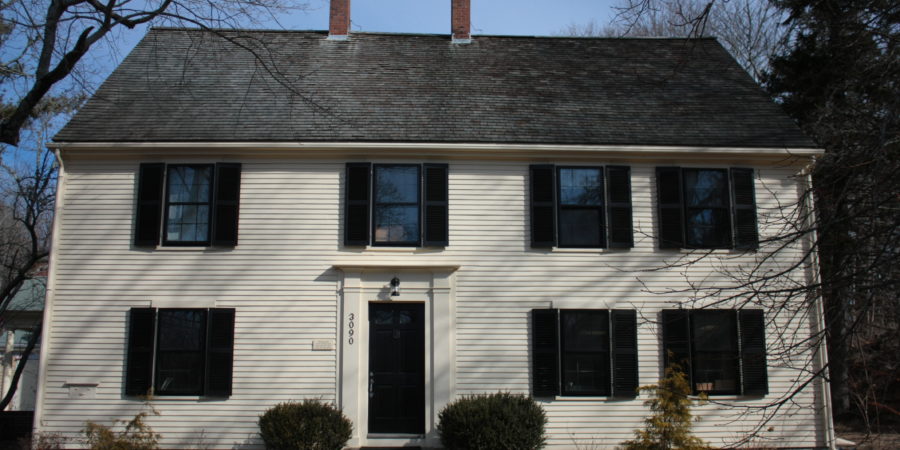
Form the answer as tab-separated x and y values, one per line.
139	361
669	199
746	235
148	216
545	352
753	352
543	206
219	352
624	355
357	198
676	329
226	202
435	214
618	206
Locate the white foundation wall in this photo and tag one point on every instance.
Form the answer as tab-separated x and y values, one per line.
282	281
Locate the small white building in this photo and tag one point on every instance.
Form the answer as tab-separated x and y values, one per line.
389	222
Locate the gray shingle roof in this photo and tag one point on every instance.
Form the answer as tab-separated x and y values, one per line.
191	85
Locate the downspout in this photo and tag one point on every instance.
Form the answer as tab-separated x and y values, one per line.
50	293
819	308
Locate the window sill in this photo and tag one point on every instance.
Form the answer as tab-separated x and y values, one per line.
578	250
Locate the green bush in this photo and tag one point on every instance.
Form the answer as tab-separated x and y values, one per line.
309	424
493	421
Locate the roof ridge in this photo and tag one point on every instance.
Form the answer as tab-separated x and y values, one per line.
392	33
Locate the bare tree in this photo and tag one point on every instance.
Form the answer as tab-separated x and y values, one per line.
43	41
27	185
749	29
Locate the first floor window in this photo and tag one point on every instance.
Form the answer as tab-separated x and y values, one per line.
188	204
706	208
722	352
180	351
584	352
581	206
396	205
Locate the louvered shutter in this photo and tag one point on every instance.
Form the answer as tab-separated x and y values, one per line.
618	206
356	199
624	354
148	217
754	378
671	211
543	206
677	339
435	211
226	204
746	235
139	361
219	352
545	352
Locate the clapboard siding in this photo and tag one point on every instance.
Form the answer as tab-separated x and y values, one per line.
281	282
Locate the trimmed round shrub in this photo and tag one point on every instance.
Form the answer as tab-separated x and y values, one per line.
492	421
308	425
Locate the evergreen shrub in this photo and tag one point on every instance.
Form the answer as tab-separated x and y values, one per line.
306	425
492	421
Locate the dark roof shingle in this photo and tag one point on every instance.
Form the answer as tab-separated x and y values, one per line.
192	85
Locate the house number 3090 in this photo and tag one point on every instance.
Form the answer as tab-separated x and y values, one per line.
350	325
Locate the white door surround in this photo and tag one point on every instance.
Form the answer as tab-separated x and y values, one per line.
361	284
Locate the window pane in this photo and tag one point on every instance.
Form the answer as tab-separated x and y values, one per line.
580	227
708	228
585	330
586	374
715	361
188	184
180	351
188	223
396	184
706	187
581	187
397	224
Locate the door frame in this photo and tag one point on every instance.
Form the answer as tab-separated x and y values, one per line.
434	286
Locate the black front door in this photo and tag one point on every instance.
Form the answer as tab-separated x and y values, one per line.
397	368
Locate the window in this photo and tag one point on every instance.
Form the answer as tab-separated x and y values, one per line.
721	351
180	351
584	352
193	204
706	208
581	207
407	204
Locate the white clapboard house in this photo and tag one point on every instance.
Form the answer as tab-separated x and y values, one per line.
389	222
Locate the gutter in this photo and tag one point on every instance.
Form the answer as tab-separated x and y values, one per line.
379	148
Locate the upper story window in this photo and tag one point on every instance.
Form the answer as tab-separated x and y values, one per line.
723	352
188	198
193	204
706	208
581	207
180	351
396	205
584	352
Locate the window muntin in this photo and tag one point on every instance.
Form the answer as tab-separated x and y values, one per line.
585	352
180	351
188	198
396	204
707	208
715	359
580	207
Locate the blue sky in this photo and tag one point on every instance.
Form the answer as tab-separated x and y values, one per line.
518	17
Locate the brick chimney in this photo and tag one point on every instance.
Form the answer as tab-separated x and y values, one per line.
460	21
339	23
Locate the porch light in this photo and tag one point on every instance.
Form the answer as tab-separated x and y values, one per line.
395	287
